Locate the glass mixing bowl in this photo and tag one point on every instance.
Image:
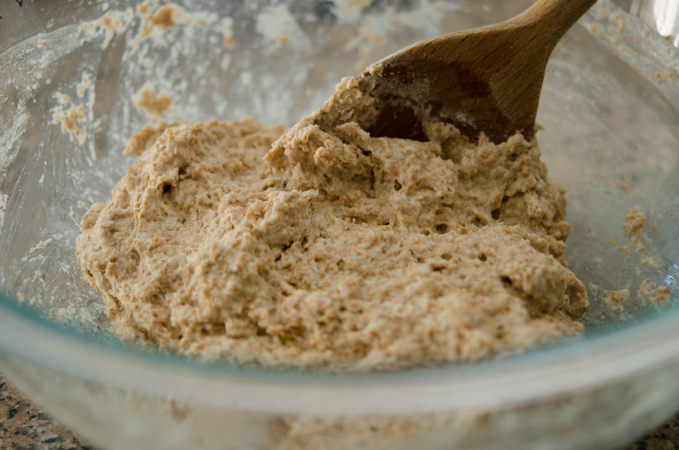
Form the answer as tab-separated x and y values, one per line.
77	79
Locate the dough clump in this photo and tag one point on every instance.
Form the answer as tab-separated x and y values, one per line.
331	248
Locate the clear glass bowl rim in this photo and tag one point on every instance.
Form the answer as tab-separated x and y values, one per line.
573	367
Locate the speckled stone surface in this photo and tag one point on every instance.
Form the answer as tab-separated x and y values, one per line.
664	438
24	427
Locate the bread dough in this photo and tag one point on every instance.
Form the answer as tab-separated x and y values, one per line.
634	221
326	247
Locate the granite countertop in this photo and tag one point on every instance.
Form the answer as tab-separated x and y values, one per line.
24	427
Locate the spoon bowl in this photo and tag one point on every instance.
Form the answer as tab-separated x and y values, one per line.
485	80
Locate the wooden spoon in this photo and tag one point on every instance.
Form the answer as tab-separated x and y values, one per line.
482	80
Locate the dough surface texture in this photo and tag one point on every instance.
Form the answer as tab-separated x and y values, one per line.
331	248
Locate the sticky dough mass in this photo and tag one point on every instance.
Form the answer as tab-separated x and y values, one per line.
331	248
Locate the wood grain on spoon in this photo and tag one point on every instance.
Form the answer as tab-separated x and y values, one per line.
482	80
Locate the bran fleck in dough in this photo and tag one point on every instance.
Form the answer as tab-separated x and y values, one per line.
331	248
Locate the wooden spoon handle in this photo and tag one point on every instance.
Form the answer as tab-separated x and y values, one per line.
554	18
